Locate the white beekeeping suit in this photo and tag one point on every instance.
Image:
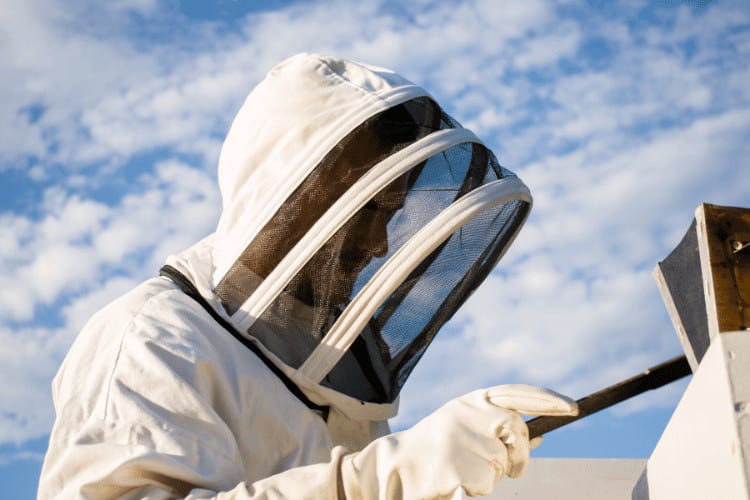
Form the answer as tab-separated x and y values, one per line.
265	361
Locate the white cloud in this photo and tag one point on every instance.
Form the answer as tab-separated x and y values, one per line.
71	220
547	49
146	7
68	250
48	62
167	97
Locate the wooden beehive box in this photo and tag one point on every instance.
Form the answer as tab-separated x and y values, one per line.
705	281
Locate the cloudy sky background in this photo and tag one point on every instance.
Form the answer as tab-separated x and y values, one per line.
622	117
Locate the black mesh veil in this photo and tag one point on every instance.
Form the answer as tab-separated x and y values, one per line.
381	358
395	338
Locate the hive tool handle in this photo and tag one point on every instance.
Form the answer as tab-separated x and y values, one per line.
653	378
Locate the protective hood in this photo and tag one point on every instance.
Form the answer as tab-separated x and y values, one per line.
357	217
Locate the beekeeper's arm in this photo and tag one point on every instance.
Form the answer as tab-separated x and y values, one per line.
471	443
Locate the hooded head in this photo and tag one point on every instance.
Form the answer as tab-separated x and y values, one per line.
357	218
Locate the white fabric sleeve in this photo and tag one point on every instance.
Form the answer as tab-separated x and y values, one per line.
311	482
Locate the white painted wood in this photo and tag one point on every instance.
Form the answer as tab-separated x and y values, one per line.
682	335
706	271
703	453
572	479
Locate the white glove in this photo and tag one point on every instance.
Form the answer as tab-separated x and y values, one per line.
470	442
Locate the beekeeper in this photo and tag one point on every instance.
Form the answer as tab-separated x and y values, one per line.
265	360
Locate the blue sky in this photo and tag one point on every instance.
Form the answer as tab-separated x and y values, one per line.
620	116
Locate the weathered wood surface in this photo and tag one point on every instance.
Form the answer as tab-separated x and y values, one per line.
723	235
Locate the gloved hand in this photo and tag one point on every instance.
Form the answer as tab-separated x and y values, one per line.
470	442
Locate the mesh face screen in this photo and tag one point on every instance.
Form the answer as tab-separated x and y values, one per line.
402	328
376	366
384	354
375	139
